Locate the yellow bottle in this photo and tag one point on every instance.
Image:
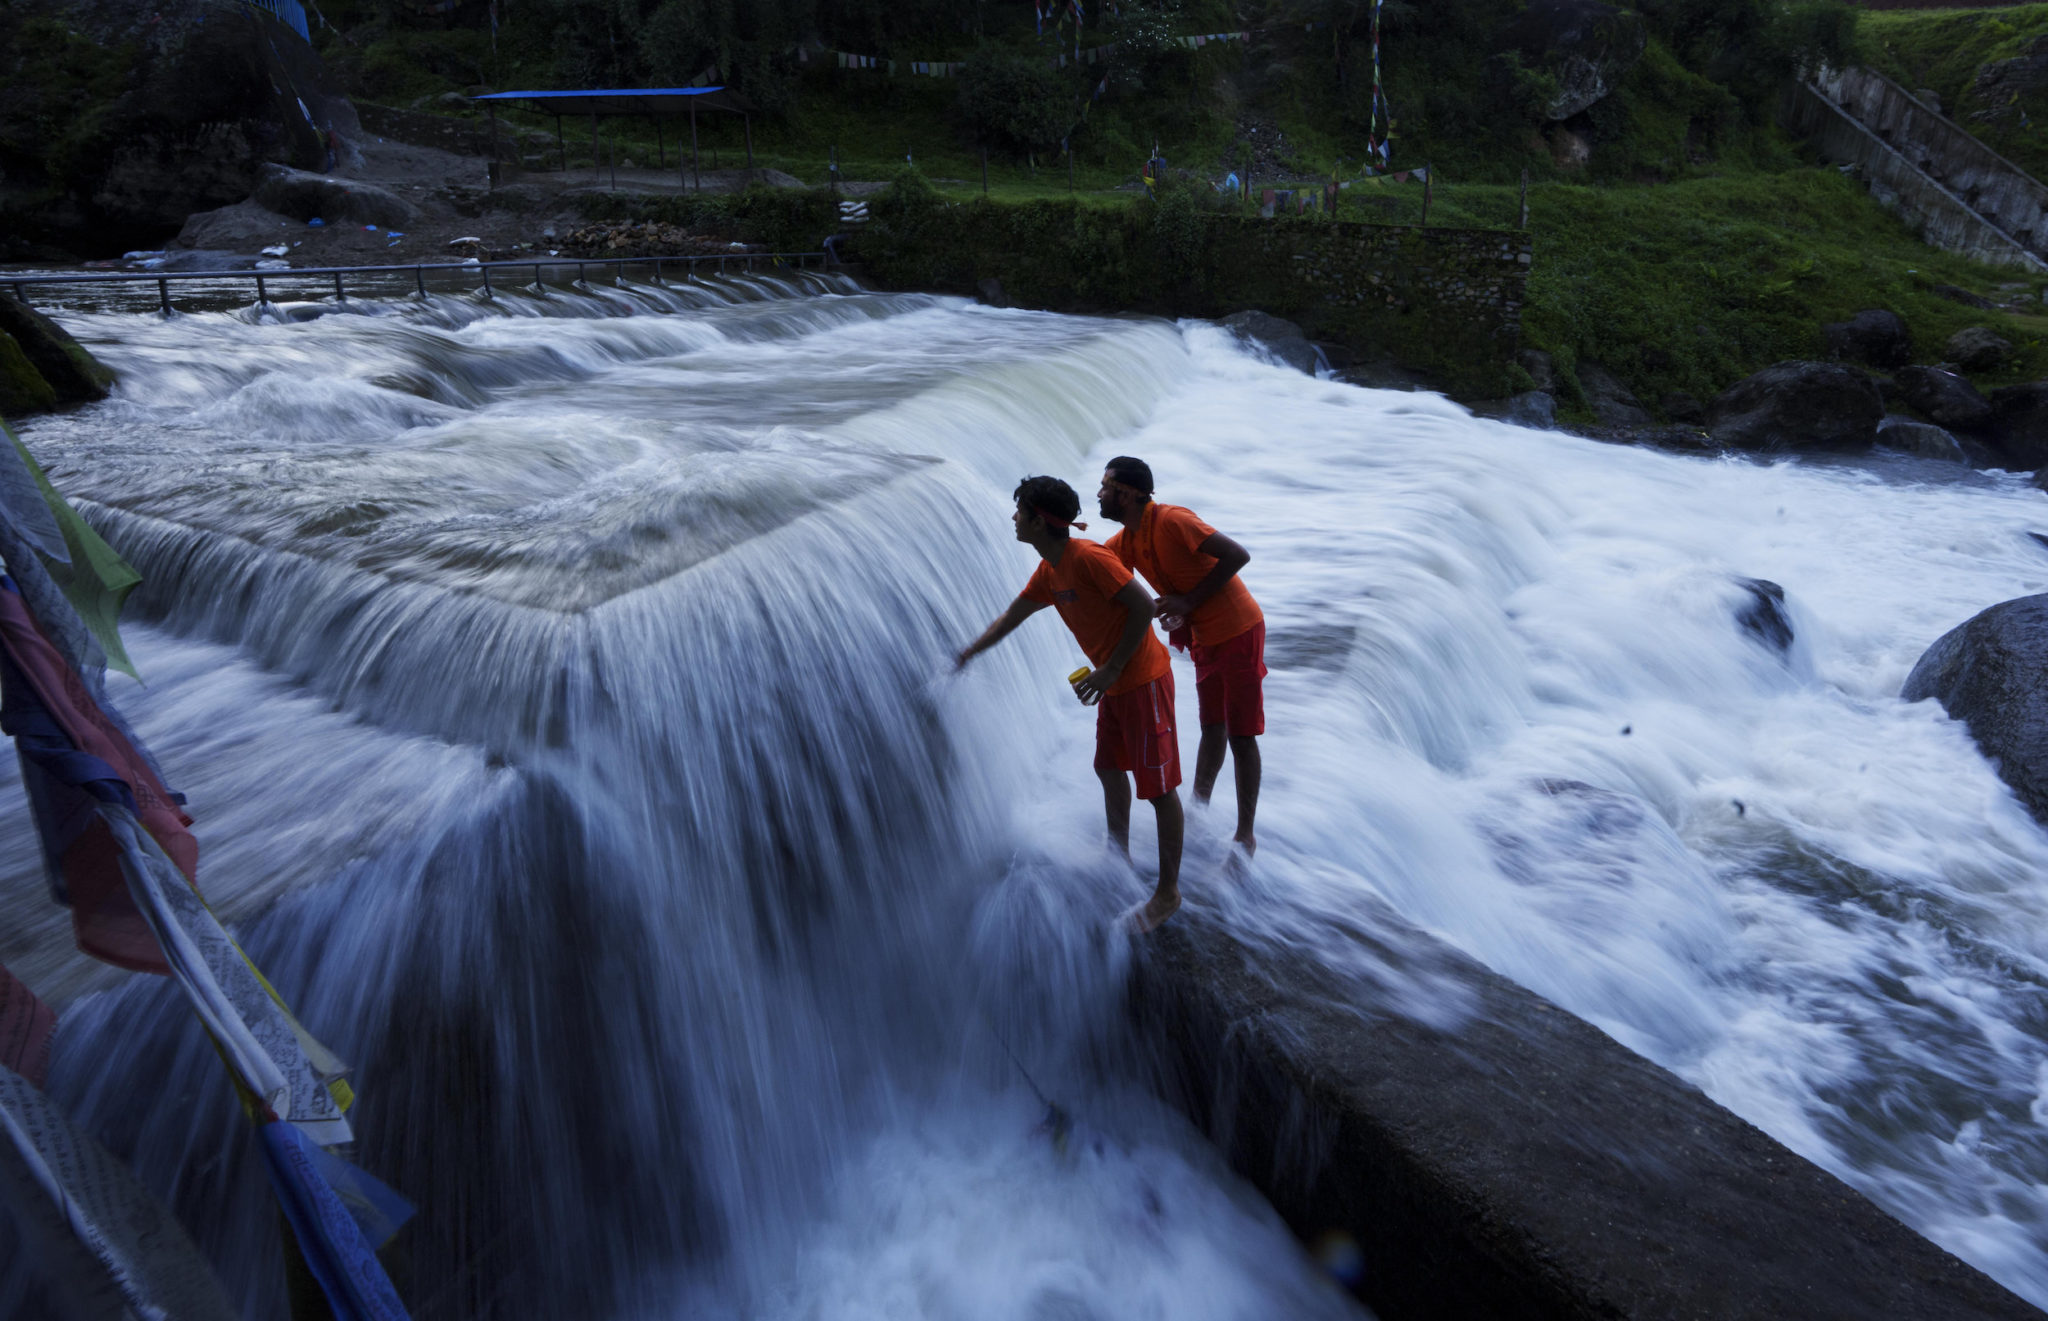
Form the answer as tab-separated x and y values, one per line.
1080	674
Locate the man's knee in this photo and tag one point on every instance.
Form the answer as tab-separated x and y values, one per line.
1244	745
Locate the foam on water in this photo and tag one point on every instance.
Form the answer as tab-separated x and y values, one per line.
566	685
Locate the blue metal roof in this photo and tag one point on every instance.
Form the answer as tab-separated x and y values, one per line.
628	100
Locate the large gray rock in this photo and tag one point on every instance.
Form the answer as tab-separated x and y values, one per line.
1583	44
2018	429
1921	439
1978	349
1874	336
302	195
1276	339
1991	673
1798	405
1946	398
244	226
1613	404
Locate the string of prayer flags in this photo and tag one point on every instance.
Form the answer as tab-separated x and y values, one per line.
26	1025
111	1248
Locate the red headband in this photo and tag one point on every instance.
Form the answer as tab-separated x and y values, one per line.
1055	519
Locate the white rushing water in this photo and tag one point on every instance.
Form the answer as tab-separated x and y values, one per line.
564	700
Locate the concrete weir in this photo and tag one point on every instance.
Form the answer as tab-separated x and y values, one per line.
1522	1164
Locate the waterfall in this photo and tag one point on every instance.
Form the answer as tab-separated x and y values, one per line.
563	689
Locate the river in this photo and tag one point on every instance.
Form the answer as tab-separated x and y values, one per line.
562	689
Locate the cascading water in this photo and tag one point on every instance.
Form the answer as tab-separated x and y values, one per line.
562	690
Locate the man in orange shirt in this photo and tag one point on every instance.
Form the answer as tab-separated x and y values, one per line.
1206	608
1111	617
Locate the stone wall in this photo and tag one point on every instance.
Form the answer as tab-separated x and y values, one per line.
1443	302
1370	286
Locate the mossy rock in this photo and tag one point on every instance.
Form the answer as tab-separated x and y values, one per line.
22	387
62	362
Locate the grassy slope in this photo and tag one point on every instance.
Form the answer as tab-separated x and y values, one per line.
1942	49
1677	269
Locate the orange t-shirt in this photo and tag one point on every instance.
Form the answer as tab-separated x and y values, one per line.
1083	588
1165	546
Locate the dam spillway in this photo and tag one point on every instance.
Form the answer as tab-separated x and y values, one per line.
561	688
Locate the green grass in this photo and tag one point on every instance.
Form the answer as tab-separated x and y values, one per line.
1689	286
1943	49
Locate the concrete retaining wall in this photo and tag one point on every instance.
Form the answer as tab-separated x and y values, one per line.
1987	182
1522	1166
1943	219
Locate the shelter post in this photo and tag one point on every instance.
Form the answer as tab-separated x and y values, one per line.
660	148
747	122
696	181
615	155
596	155
563	143
492	175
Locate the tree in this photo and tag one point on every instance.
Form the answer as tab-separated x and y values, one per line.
1015	101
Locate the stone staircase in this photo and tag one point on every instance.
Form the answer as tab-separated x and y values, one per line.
1961	195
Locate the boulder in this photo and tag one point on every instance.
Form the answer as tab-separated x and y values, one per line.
988	290
1612	402
1276	340
1586	46
1978	349
302	195
1921	439
1680	406
1542	370
1991	673
73	375
1798	405
22	387
1762	614
1943	396
245	225
1874	336
1532	408
2018	428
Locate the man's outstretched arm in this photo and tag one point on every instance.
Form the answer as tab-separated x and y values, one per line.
1020	610
1230	557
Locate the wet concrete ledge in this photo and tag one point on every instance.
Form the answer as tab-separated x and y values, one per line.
1523	1165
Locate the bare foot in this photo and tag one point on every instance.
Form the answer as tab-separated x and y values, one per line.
1154	912
1248	842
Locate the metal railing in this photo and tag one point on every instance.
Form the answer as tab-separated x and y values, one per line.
747	261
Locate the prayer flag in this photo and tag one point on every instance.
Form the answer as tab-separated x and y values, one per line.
73	757
96	1231
340	1258
92	576
26	1025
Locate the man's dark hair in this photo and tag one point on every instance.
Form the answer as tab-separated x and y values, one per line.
1051	499
1134	473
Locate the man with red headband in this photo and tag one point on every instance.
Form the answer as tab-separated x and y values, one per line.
1205	608
1111	617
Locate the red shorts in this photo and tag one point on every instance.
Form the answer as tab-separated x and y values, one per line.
1227	682
1134	732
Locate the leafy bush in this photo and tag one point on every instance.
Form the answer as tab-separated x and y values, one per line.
1015	101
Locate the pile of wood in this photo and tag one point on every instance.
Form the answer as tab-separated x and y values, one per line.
644	238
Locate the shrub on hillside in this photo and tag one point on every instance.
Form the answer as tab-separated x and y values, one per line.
1015	102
